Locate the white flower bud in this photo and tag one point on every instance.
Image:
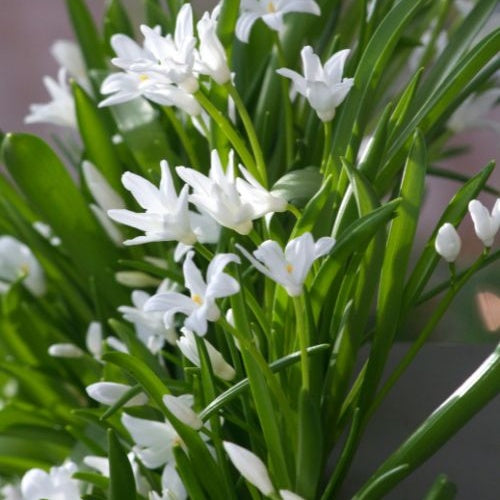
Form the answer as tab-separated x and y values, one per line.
250	466
448	242
182	411
65	351
486	225
93	339
108	393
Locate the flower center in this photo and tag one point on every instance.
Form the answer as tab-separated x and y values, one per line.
25	269
289	268
271	8
143	78
197	299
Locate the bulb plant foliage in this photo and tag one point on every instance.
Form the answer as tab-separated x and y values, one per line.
183	317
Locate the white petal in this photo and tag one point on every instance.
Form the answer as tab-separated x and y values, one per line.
108	393
65	351
192	277
244	25
93	339
307	6
182	411
144	192
290	495
447	243
250	466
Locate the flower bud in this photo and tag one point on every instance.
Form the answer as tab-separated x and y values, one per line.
448	242
250	466
108	393
65	351
486	225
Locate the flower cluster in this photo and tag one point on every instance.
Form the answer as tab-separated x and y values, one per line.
166	68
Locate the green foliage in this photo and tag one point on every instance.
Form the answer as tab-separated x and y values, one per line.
284	382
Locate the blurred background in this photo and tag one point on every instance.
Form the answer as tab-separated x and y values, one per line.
27	31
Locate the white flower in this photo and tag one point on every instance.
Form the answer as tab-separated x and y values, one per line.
448	242
289	268
182	411
271	12
250	466
65	350
149	326
232	203
486	225
471	113
167	217
54	485
17	261
201	306
322	86
60	110
154	440
108	393
187	345
211	57
161	70
69	56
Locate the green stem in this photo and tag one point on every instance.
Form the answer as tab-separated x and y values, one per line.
287	105
294	210
230	132
303	336
261	362
252	135
181	132
327	128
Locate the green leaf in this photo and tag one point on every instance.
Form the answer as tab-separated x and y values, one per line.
96	138
116	20
51	191
86	34
139	125
298	186
394	267
226	23
93	478
121	477
442	489
475	393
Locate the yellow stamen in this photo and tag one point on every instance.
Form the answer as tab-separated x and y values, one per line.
197	299
143	78
271	8
25	269
289	268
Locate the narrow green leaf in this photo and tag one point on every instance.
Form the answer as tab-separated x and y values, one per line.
116	20
442	489
394	267
93	478
299	186
226	24
475	393
121	477
96	138
86	34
